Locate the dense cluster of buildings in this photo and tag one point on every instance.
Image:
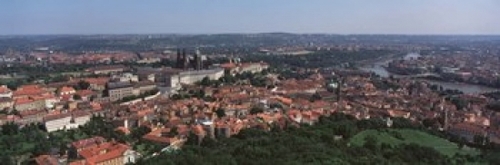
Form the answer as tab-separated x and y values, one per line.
289	102
231	110
66	105
469	68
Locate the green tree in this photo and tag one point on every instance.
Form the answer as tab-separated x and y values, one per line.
256	110
205	81
315	97
77	97
371	142
480	140
220	112
10	128
461	142
81	85
459	103
138	132
173	131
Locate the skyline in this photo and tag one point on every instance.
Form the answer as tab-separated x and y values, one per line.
413	17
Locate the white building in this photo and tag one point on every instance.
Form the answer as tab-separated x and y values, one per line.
190	77
66	120
5	102
57	122
127	77
50	102
130	156
5	92
252	67
81	118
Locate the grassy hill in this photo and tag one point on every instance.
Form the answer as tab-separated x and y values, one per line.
399	136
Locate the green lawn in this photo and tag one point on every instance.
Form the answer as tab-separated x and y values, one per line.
413	136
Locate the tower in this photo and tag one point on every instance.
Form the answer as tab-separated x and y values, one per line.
179	59
197	59
339	89
445	112
185	59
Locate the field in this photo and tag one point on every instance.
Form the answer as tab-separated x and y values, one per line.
400	136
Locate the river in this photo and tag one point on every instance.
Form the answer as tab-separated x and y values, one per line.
377	68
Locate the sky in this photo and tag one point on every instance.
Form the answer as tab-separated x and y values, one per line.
249	16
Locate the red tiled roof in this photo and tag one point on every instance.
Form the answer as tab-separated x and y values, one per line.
103	152
23	101
85	93
126	131
31	112
156	136
98	81
29	90
84	143
397	113
49	117
468	127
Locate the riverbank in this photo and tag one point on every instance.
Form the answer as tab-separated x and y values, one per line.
377	67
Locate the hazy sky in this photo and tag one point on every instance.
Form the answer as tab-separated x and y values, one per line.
250	16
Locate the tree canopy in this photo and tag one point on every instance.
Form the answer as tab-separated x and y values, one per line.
305	145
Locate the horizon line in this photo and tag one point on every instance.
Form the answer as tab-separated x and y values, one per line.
253	33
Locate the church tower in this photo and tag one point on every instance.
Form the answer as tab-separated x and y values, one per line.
445	113
197	60
178	64
185	60
339	89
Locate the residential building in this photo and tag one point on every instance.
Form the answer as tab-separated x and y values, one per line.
86	95
57	122
60	121
30	103
97	84
31	116
161	136
119	90
108	153
80	117
467	131
87	143
126	77
50	101
143	86
6	103
252	67
28	91
66	90
148	60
